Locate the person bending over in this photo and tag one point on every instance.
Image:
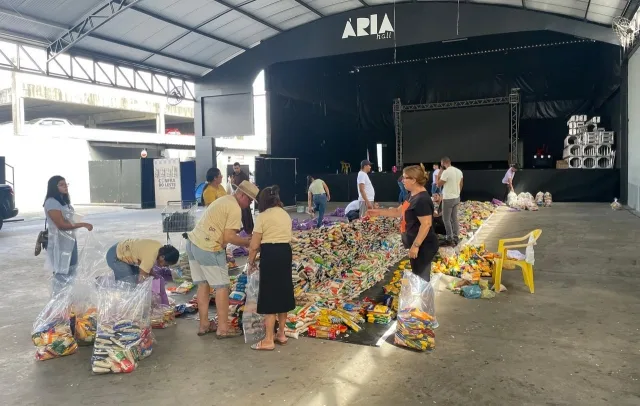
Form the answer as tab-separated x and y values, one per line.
132	260
319	195
416	215
507	181
218	226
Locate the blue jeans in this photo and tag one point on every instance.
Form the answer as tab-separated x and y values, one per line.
403	192
62	280
434	189
121	270
319	206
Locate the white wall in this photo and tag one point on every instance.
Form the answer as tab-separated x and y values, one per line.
37	158
633	186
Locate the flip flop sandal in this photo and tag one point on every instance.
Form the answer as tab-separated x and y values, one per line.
258	347
281	342
212	329
228	334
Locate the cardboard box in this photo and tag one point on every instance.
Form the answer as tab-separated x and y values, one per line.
562	164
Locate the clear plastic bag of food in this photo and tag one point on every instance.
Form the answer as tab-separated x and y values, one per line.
124	327
416	314
51	332
252	322
163	316
84	290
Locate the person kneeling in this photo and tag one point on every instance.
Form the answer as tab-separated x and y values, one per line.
132	260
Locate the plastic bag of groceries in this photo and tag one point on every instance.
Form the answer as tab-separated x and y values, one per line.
540	199
616	204
84	289
416	314
124	327
548	200
252	322
51	332
512	199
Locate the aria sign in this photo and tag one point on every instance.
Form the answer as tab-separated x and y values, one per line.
369	26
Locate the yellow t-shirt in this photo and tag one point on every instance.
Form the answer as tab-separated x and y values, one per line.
275	226
317	187
222	214
211	194
143	253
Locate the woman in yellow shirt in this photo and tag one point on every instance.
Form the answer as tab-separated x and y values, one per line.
272	238
213	189
132	260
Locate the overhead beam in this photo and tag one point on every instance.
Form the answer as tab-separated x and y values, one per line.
189	29
308	7
524	4
152	51
248	15
364	3
95	20
39	21
630	9
586	12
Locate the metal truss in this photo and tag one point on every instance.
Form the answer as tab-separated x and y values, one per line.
397	123
514	108
96	19
514	104
456	104
96	72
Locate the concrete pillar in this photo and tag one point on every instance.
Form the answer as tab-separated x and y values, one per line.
205	156
17	104
160	121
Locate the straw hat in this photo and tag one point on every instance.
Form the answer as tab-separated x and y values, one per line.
248	189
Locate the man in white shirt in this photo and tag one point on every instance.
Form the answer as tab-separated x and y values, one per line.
507	181
434	184
366	193
450	180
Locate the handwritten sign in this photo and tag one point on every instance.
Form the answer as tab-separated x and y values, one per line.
166	177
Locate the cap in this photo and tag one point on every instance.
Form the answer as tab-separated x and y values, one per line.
365	163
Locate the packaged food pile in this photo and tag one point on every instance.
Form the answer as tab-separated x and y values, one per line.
616	204
472	259
540	199
471	215
51	332
416	316
124	327
84	302
252	322
85	326
309	224
163	316
379	314
548	200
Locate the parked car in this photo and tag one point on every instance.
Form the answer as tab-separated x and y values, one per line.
49	121
7	204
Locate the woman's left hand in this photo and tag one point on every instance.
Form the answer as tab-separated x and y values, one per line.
413	252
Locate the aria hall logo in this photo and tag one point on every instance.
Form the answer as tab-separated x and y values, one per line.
369	26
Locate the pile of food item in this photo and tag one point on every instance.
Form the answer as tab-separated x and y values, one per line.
526	201
471	215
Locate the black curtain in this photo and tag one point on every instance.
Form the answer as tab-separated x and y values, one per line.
334	109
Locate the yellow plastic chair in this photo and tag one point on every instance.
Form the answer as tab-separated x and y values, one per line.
346	167
503	262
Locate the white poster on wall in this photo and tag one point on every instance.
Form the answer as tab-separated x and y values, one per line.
166	179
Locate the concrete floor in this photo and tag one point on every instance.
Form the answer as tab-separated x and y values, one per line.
576	341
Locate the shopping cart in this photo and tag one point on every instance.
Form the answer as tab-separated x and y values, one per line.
178	217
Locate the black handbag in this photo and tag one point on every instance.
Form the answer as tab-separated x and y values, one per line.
43	240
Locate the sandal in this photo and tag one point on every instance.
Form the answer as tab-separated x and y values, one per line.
281	342
229	334
211	329
258	347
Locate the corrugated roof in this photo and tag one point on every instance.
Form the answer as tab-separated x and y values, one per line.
192	37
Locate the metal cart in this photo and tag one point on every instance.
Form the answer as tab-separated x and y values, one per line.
178	217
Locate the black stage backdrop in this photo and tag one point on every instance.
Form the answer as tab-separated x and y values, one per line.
429	135
565	185
322	113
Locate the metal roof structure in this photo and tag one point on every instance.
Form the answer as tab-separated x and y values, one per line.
189	38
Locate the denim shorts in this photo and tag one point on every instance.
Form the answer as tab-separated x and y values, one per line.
208	266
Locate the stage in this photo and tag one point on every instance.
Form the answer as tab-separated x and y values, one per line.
566	185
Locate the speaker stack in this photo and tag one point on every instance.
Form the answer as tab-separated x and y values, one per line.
588	146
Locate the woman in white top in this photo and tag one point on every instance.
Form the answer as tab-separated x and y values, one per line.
318	194
62	248
272	238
